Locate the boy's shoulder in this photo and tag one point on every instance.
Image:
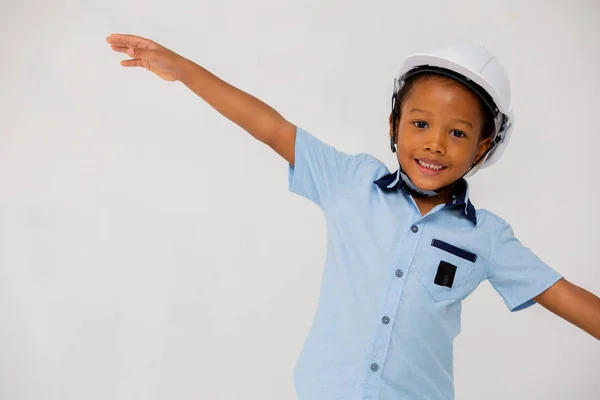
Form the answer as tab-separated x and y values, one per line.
370	161
369	166
489	218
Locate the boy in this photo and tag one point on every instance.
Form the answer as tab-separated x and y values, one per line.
404	248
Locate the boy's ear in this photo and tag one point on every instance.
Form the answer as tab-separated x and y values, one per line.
482	148
390	120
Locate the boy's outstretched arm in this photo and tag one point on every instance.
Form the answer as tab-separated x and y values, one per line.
574	304
251	114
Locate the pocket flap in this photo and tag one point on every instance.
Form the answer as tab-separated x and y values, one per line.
464	254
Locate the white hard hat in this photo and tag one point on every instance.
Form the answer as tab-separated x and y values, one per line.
470	64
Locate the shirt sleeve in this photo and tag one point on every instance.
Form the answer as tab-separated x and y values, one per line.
319	169
516	273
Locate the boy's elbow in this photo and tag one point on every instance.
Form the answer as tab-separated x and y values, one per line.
282	140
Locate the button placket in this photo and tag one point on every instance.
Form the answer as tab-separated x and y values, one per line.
393	295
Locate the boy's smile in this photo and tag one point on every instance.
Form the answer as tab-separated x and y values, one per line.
430	167
439	133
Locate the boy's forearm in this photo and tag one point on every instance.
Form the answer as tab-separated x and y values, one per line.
588	318
251	114
575	304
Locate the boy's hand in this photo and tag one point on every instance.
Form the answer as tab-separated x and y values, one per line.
148	54
255	117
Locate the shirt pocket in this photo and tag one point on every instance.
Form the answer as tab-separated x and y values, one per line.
446	270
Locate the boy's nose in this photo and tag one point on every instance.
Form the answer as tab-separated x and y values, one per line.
435	142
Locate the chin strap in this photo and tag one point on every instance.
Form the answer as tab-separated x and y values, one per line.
412	188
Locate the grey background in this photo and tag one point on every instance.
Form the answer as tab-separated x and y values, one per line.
149	248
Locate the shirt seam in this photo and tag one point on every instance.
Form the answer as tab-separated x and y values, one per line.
494	253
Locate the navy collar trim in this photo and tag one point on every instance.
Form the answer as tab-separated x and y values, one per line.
392	182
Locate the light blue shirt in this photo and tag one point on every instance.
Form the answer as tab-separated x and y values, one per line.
394	281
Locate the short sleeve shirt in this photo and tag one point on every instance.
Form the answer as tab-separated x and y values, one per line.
394	281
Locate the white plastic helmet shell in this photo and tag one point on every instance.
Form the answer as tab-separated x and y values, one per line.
482	67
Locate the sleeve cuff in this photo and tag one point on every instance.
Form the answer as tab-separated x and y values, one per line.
527	301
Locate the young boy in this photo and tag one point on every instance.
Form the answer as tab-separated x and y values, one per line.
404	248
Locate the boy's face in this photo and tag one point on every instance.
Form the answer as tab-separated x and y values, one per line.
439	132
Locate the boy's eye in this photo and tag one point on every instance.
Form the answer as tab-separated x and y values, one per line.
457	134
420	124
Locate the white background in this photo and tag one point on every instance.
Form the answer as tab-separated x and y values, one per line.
149	248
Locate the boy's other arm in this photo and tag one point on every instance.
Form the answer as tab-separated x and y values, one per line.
574	304
257	118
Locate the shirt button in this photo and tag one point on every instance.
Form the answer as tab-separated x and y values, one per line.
385	320
374	367
399	273
414	228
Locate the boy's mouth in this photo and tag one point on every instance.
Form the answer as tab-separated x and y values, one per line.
429	167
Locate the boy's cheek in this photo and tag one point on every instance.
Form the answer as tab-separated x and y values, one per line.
408	165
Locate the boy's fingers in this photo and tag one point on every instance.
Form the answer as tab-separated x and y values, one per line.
119	40
130	41
141	53
137	62
135	52
120	49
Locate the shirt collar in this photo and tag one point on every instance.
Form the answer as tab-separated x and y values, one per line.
392	182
